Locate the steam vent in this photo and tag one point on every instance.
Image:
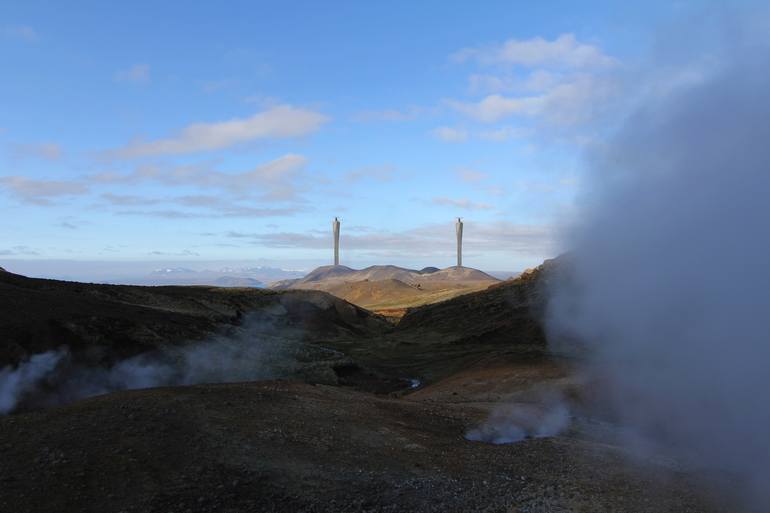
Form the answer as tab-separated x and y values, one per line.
336	230
459	229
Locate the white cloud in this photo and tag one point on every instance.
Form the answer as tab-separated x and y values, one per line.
450	135
471	175
201	200
505	133
538	80
537	241
45	151
382	173
565	104
409	114
561	81
40	192
483	83
277	180
464	204
138	74
495	107
226	211
273	180
127	200
282	121
564	51
21	33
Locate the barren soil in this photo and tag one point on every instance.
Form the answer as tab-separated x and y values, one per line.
382	428
281	446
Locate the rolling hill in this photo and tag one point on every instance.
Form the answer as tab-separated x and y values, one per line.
390	289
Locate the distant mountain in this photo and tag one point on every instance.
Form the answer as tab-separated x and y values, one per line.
505	275
428	277
389	287
262	273
224	277
234	281
283	284
172	270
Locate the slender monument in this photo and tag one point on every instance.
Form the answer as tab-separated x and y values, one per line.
336	230
459	230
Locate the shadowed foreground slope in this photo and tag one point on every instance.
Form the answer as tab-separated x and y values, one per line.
499	324
102	323
286	446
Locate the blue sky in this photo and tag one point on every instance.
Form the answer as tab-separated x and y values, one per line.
137	131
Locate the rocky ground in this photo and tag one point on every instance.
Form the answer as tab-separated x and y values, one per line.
283	446
382	426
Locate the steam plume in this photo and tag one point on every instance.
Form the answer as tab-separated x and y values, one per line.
56	377
510	423
14	383
670	274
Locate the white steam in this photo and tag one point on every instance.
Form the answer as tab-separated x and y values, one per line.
669	279
14	383
56	377
512	423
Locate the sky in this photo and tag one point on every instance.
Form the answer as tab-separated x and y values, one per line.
236	131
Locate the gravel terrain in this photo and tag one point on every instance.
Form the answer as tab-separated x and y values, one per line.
367	416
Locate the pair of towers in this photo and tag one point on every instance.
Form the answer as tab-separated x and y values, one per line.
458	230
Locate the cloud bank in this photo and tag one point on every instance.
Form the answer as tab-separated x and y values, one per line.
564	51
562	82
41	192
279	122
428	240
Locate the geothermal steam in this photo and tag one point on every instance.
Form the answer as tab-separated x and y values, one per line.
55	377
670	273
510	423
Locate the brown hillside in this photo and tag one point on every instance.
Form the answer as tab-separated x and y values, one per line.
368	293
388	288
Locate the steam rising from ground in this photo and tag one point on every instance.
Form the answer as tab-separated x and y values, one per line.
509	423
670	273
55	377
14	383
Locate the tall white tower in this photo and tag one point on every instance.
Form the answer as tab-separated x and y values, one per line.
336	230
459	230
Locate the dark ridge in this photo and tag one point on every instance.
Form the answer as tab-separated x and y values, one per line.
508	312
106	323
